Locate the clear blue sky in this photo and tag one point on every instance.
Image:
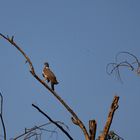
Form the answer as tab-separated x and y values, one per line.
78	38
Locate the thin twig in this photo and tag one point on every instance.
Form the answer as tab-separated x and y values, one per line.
54	122
40	127
75	117
1	116
116	68
137	61
30	130
132	55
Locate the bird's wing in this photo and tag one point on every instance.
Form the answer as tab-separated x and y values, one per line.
49	75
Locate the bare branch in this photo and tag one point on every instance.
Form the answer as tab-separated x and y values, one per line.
54	122
1	116
133	56
115	67
113	108
80	123
92	129
136	59
10	40
1	106
29	131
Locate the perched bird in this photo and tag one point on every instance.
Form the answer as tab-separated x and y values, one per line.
49	75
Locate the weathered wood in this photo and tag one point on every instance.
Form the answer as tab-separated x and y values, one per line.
92	129
113	108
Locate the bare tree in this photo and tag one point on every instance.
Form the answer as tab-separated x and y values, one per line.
88	133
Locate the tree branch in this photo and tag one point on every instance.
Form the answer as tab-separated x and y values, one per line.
92	129
114	67
1	116
75	117
54	122
32	129
113	108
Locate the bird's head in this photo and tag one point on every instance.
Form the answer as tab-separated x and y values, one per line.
46	64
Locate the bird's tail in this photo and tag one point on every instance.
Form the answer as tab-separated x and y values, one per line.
52	85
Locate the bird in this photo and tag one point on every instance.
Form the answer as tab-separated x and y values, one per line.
49	75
